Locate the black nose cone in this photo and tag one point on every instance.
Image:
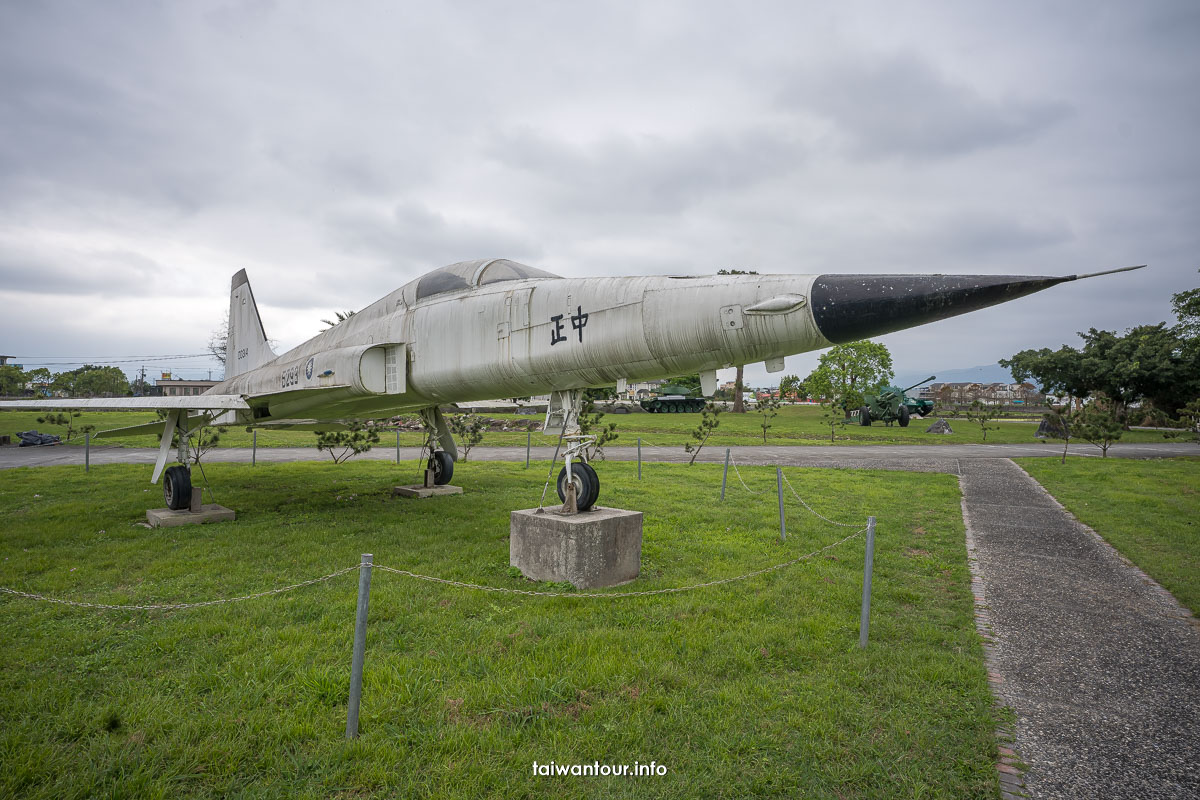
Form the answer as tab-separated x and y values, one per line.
847	308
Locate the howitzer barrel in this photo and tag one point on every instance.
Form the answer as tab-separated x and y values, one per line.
919	383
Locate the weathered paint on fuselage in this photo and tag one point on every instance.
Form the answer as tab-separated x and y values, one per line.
526	337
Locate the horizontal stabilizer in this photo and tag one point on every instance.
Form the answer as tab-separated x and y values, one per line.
151	428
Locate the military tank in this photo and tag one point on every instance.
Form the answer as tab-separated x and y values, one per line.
674	400
891	404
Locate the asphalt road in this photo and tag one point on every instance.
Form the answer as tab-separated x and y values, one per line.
922	458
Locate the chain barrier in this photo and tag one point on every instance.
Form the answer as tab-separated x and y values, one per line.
177	606
614	595
810	508
432	579
812	511
738	472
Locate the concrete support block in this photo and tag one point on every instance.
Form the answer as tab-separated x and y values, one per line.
209	512
425	491
601	547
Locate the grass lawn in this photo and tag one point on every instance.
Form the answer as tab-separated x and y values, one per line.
755	688
1149	510
795	425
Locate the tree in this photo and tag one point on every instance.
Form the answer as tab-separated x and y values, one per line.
590	424
66	419
831	412
767	409
708	423
1186	306
1149	362
343	445
12	380
469	428
739	386
92	381
982	413
790	386
848	371
218	338
1190	416
1058	426
1096	423
342	316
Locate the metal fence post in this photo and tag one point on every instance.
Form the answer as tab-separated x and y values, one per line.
87	452
864	622
254	447
528	445
725	474
779	490
639	458
360	644
397	445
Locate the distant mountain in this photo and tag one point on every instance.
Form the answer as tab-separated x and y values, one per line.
987	374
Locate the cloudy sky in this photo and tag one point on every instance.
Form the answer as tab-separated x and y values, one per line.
337	150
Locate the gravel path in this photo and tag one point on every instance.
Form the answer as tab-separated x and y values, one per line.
1100	664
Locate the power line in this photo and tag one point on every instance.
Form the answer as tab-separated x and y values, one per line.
121	360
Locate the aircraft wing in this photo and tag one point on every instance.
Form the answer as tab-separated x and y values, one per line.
199	402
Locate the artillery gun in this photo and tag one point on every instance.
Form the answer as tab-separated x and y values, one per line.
893	405
674	400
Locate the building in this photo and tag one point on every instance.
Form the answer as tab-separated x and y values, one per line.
994	394
178	387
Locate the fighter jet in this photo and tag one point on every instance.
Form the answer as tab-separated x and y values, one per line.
492	328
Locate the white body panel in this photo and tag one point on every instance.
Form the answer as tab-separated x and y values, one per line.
527	337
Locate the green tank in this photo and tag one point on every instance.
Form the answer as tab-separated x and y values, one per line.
674	400
891	404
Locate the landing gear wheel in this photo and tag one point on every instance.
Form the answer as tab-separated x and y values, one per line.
904	416
864	416
587	485
443	467
177	487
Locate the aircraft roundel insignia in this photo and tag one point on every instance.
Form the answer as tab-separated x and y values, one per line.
308	368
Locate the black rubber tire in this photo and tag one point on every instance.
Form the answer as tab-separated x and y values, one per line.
177	487
587	484
443	467
864	416
904	416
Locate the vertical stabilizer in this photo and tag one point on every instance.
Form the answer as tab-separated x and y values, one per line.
246	348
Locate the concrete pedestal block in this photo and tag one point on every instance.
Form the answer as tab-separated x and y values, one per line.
209	512
601	547
425	491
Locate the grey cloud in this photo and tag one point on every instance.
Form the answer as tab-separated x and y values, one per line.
900	105
413	239
621	174
104	273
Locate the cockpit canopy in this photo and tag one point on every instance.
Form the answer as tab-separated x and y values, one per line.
467	275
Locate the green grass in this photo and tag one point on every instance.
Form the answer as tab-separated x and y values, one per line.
795	425
1148	510
752	689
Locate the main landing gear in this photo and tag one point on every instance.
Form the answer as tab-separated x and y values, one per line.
442	467
177	487
440	444
578	474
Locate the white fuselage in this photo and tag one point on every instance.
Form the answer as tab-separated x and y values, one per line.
526	337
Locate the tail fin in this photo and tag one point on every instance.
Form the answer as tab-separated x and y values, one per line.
246	348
